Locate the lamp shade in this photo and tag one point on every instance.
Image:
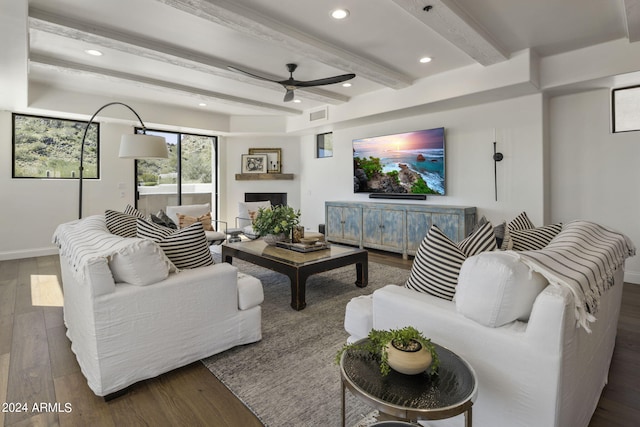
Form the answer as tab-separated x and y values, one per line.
140	146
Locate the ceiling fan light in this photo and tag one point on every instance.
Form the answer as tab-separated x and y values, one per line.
339	13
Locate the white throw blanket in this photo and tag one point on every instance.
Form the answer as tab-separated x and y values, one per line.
583	257
84	240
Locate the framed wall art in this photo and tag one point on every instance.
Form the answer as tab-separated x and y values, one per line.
254	163
274	161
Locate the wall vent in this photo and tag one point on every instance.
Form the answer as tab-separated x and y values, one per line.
323	114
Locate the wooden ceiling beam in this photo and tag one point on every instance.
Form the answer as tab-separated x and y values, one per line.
632	18
145	48
446	18
69	67
246	21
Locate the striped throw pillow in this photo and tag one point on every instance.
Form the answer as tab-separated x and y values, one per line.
534	238
130	210
186	248
483	239
438	261
123	224
120	224
521	222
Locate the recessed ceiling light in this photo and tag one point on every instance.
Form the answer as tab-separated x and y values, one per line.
346	84
339	13
93	52
425	59
297	101
202	104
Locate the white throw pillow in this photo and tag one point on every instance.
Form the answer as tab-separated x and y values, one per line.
140	263
495	288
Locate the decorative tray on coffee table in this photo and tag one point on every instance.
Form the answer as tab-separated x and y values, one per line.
304	247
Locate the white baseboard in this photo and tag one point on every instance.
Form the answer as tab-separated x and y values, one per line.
632	277
28	253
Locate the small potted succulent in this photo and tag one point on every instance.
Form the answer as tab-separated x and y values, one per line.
276	222
404	350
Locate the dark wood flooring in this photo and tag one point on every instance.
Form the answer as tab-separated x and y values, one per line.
38	368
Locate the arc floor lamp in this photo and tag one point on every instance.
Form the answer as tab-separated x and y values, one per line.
132	146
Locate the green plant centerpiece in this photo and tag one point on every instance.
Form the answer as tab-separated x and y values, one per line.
276	220
406	350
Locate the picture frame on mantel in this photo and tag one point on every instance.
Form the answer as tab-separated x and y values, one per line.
254	163
274	158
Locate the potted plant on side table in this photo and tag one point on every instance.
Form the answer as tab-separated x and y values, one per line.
276	222
405	350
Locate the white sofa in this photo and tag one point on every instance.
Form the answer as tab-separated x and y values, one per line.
150	319
534	366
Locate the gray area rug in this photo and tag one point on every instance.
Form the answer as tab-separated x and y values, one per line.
290	378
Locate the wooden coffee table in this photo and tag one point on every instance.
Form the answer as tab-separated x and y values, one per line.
299	266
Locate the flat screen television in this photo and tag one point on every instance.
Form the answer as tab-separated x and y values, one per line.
403	163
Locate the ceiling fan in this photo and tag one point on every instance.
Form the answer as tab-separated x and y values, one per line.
292	84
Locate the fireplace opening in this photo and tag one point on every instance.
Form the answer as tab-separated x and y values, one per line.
274	198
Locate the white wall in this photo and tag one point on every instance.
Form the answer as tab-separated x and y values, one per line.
233	191
594	173
469	160
32	208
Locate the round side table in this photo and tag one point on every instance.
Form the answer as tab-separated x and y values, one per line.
411	397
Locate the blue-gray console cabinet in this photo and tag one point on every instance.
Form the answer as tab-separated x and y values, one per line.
394	227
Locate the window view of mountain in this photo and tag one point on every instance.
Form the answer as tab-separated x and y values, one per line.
45	147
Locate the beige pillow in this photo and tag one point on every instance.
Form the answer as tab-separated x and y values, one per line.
252	216
186	220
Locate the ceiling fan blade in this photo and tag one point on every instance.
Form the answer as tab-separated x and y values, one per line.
325	81
288	96
292	84
246	73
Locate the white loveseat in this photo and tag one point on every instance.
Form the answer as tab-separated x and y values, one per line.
130	317
535	367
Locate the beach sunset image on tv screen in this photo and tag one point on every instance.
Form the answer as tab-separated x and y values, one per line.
411	162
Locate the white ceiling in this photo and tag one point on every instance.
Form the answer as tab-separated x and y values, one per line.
176	52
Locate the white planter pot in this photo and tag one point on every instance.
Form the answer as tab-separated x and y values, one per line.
409	362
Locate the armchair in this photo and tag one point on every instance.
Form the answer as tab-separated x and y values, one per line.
244	219
214	237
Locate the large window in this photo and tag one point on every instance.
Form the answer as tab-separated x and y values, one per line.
187	177
625	103
46	147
